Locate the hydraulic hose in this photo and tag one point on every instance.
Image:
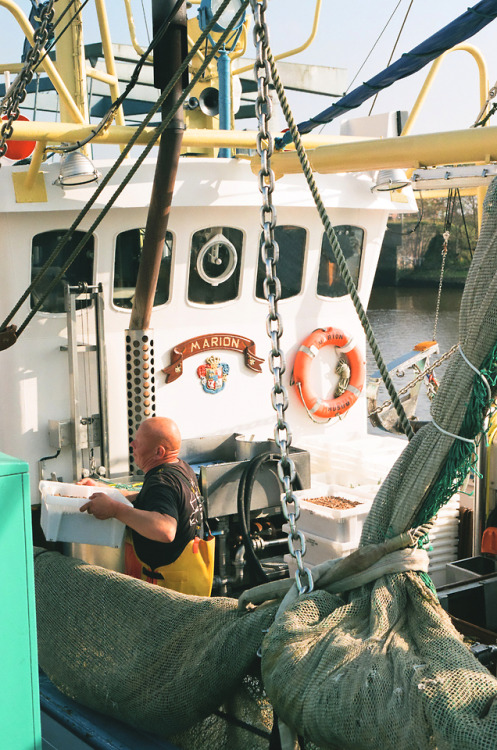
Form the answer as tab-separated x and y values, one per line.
244	500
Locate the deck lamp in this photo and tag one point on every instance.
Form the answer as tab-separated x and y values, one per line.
208	9
390	179
76	169
206	13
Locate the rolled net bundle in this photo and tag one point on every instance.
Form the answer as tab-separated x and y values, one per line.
160	661
375	661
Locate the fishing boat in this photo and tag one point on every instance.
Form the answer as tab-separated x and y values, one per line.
154	283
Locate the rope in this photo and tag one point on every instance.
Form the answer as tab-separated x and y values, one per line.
158	132
335	246
475	369
451	434
464	222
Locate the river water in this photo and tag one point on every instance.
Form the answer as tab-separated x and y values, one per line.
401	317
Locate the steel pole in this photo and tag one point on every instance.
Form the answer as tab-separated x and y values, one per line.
168	56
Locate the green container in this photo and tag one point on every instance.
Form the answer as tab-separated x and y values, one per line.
19	685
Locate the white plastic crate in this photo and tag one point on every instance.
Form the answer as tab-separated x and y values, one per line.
292	564
319	549
62	521
344	526
365	460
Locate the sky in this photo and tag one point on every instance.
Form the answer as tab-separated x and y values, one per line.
347	33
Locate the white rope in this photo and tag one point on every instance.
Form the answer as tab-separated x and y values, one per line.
489	392
451	434
475	369
399	561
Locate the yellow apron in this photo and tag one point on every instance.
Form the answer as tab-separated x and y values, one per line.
192	573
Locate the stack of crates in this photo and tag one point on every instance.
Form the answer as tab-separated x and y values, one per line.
330	533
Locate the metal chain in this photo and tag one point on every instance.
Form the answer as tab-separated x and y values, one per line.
446	237
272	292
415	380
17	92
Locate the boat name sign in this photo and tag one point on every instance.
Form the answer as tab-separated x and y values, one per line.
209	341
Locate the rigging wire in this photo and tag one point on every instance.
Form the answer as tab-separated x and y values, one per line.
464	222
416	226
52	45
146	24
131	84
393	50
373	47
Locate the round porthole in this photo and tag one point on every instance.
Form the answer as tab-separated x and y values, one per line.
217	260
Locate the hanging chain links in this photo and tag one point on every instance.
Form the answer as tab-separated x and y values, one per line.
16	94
446	237
423	374
272	293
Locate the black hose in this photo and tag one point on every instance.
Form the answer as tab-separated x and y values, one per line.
244	499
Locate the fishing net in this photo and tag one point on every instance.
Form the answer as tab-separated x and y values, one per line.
367	660
158	660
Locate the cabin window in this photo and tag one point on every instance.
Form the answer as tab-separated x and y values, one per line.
129	246
351	240
80	270
215	263
290	265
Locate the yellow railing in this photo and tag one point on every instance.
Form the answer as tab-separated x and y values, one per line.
483	81
294	51
46	63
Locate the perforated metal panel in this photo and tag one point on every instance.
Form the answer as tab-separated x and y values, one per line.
140	382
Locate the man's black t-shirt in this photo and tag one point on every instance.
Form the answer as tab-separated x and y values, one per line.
165	492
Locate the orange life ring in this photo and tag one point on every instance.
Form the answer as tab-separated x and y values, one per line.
327	409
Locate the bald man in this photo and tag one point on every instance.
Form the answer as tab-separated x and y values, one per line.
165	545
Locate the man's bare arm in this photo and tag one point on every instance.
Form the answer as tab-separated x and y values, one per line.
156	526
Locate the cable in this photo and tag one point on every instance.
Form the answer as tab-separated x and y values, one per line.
52	45
374	45
244	501
464	222
394	48
416	226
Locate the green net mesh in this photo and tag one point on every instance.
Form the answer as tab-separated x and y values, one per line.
380	666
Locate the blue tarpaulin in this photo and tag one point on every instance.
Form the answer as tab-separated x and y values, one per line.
462	28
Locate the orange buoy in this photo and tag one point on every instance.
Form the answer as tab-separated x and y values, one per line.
17	150
318	407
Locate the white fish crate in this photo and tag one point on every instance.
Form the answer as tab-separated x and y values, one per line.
319	549
334	524
62	521
292	564
361	461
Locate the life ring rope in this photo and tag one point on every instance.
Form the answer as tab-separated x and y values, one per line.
314	405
